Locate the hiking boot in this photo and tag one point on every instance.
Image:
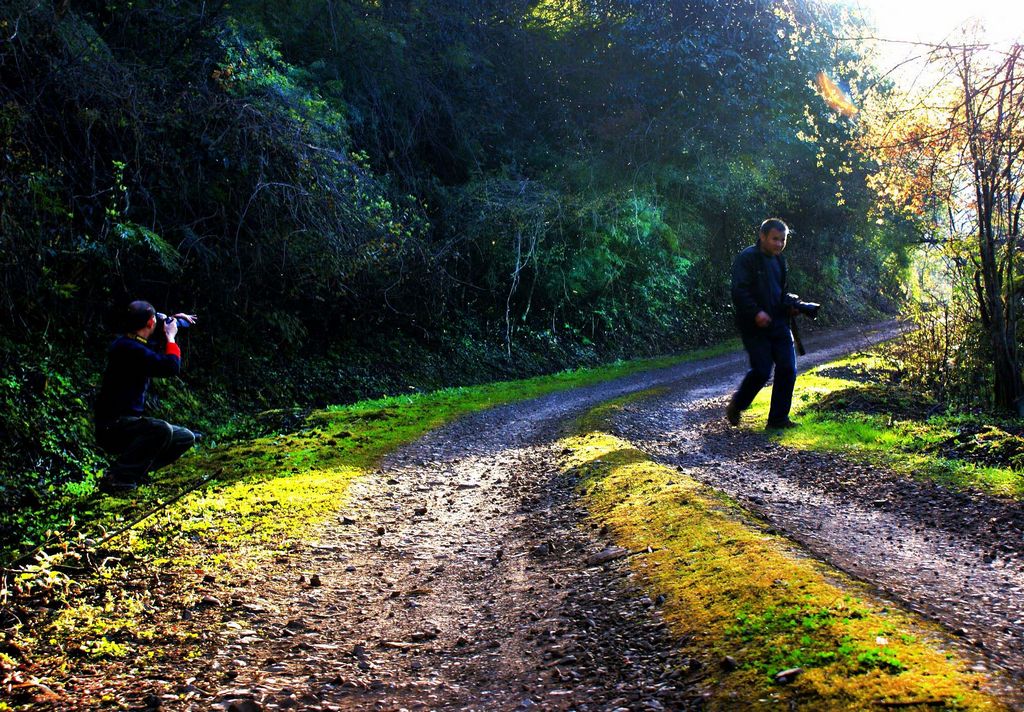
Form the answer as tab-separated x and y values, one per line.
732	414
781	424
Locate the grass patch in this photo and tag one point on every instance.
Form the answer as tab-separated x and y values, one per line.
858	407
732	591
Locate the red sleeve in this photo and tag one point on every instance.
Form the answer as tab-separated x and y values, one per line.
173	350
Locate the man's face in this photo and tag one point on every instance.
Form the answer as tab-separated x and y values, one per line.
773	242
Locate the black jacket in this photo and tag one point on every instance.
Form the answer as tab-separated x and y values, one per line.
131	363
750	290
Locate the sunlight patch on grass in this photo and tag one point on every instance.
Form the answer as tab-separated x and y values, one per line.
731	590
905	445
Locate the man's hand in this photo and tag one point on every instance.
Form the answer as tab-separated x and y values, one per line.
171	329
190	318
762	319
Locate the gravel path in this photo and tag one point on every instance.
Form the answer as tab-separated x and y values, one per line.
957	558
455	578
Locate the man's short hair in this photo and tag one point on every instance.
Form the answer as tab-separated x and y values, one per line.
773	224
138	315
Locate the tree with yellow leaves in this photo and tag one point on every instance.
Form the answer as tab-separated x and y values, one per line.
952	158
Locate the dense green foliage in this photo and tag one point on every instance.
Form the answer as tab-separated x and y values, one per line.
358	196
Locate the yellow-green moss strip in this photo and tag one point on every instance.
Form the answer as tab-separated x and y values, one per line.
274	491
904	445
734	591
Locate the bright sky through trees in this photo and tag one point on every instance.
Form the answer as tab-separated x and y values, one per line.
1002	21
935	20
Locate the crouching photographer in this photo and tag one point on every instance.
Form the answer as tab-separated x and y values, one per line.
139	443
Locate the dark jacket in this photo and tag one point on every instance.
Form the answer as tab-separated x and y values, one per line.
130	365
750	291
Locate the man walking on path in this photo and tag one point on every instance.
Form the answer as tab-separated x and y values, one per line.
141	444
759	296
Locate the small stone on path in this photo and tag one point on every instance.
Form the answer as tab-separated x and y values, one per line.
542	549
789	675
609	554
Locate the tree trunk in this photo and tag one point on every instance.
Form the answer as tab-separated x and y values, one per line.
996	289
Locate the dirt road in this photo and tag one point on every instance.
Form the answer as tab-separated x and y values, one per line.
455	577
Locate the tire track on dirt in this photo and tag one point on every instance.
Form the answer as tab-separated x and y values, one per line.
454	578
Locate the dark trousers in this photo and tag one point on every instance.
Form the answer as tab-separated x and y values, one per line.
142	445
772	349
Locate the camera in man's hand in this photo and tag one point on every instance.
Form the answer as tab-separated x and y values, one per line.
809	309
183	323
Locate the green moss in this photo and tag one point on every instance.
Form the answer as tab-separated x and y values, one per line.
732	590
102	649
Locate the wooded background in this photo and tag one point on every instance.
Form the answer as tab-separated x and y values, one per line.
362	197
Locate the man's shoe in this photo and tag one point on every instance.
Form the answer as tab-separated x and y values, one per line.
732	414
781	424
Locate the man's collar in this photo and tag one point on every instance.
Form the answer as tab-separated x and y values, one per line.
137	338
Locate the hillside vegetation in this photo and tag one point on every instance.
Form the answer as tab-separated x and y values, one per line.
361	198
